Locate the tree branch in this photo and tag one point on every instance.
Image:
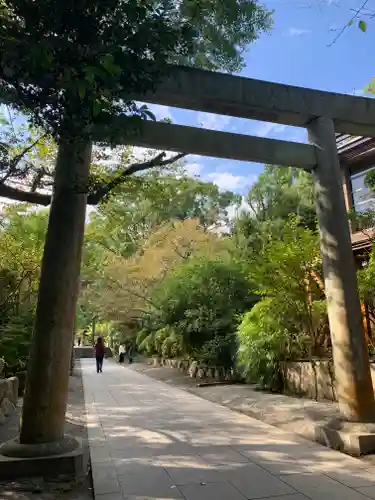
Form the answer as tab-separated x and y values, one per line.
157	161
349	23
14	162
101	192
24	196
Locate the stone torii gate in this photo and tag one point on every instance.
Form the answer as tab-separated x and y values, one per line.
322	114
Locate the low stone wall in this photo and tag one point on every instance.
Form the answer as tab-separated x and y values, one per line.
8	397
196	370
313	379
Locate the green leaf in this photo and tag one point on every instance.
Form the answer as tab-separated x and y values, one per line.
370	88
362	26
107	62
89	74
350	22
96	108
81	92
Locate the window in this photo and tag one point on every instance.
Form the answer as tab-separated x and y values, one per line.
363	197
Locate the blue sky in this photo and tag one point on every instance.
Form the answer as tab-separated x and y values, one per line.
296	52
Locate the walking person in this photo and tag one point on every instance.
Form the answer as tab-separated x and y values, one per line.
99	355
122	352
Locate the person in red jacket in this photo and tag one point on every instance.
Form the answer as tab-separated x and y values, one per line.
99	355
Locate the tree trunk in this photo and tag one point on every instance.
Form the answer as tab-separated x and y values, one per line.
355	392
46	394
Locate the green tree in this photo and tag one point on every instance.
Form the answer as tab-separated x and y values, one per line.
118	286
129	217
291	320
22	235
136	237
198	306
73	71
277	193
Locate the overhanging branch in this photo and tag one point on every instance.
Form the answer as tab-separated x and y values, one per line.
24	196
100	193
157	161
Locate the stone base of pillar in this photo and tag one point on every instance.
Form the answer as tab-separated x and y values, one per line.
353	438
60	458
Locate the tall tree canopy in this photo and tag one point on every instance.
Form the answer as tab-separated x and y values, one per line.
137	237
277	193
79	65
157	197
74	66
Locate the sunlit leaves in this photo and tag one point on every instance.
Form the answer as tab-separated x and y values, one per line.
370	88
72	63
362	25
201	301
27	155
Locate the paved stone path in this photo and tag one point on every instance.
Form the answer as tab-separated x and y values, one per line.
291	413
151	441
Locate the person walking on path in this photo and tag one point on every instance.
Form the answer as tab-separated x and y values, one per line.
99	355
122	352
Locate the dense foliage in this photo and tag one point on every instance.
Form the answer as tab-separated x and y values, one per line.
290	322
156	270
75	67
21	243
196	309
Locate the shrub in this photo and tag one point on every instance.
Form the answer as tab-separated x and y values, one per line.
15	342
141	336
147	346
171	346
220	351
196	309
262	345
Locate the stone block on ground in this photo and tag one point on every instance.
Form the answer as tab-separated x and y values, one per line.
12	390
3	388
348	437
193	369
7	407
72	463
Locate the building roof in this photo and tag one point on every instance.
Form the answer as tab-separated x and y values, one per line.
353	149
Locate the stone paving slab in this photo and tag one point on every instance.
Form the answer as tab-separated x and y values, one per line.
292	413
151	441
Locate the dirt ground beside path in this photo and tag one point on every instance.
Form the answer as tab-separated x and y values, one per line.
63	489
